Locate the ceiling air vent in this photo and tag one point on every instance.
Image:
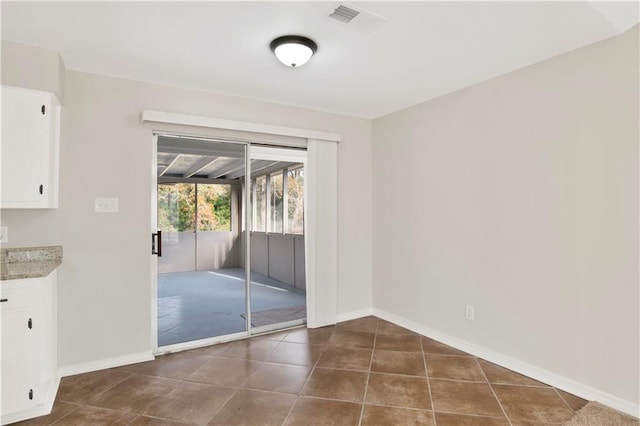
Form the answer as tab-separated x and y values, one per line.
357	18
344	14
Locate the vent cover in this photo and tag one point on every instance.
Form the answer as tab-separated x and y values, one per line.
356	18
344	14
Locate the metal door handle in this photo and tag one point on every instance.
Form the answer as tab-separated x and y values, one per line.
156	243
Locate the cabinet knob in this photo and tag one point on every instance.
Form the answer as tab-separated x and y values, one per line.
30	324
41	189
4	300
42	109
30	393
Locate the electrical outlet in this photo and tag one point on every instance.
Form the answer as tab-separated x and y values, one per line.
4	234
106	205
470	312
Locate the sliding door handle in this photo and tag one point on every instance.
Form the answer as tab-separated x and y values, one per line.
156	243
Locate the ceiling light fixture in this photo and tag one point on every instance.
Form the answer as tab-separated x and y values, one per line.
293	50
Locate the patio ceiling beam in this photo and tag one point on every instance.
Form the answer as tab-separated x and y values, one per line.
171	163
199	165
255	164
230	168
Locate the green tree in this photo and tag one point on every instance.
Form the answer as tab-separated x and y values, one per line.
177	207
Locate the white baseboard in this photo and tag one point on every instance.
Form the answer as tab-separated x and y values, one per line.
102	364
40	410
50	397
544	376
346	316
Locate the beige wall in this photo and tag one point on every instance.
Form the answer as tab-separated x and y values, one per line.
520	196
279	256
214	250
33	68
104	290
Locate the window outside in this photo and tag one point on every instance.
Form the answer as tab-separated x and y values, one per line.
275	203
260	204
214	207
177	207
295	196
281	205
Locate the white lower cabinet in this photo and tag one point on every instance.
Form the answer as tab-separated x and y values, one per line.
29	353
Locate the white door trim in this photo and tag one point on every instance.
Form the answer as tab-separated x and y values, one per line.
153	257
243	126
321	233
321	209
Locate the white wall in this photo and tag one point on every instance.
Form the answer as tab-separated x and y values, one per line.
216	249
104	290
33	68
279	256
260	253
519	195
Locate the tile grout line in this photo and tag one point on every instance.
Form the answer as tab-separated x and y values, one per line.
214	357
493	392
200	368
233	393
84	403
366	386
481	416
142	413
69	413
297	397
426	372
315	364
245	380
563	400
475	381
130	374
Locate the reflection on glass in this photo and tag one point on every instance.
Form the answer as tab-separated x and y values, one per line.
176	207
260	204
295	207
275	203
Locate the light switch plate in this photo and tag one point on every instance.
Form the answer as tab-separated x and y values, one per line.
4	234
106	204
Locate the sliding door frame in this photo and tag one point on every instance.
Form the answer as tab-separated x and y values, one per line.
320	205
154	259
278	154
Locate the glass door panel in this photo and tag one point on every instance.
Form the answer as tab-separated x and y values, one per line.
201	273
277	249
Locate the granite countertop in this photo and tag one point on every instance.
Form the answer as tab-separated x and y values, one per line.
29	262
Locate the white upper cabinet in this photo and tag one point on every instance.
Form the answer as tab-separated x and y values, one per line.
29	149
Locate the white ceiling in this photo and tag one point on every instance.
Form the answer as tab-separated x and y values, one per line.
423	50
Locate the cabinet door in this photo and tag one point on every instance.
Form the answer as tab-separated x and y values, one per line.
26	137
20	367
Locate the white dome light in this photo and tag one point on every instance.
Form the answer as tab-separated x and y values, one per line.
293	51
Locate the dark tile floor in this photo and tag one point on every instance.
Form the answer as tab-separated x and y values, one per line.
361	372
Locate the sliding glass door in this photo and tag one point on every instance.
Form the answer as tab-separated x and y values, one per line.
277	260
232	257
201	272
